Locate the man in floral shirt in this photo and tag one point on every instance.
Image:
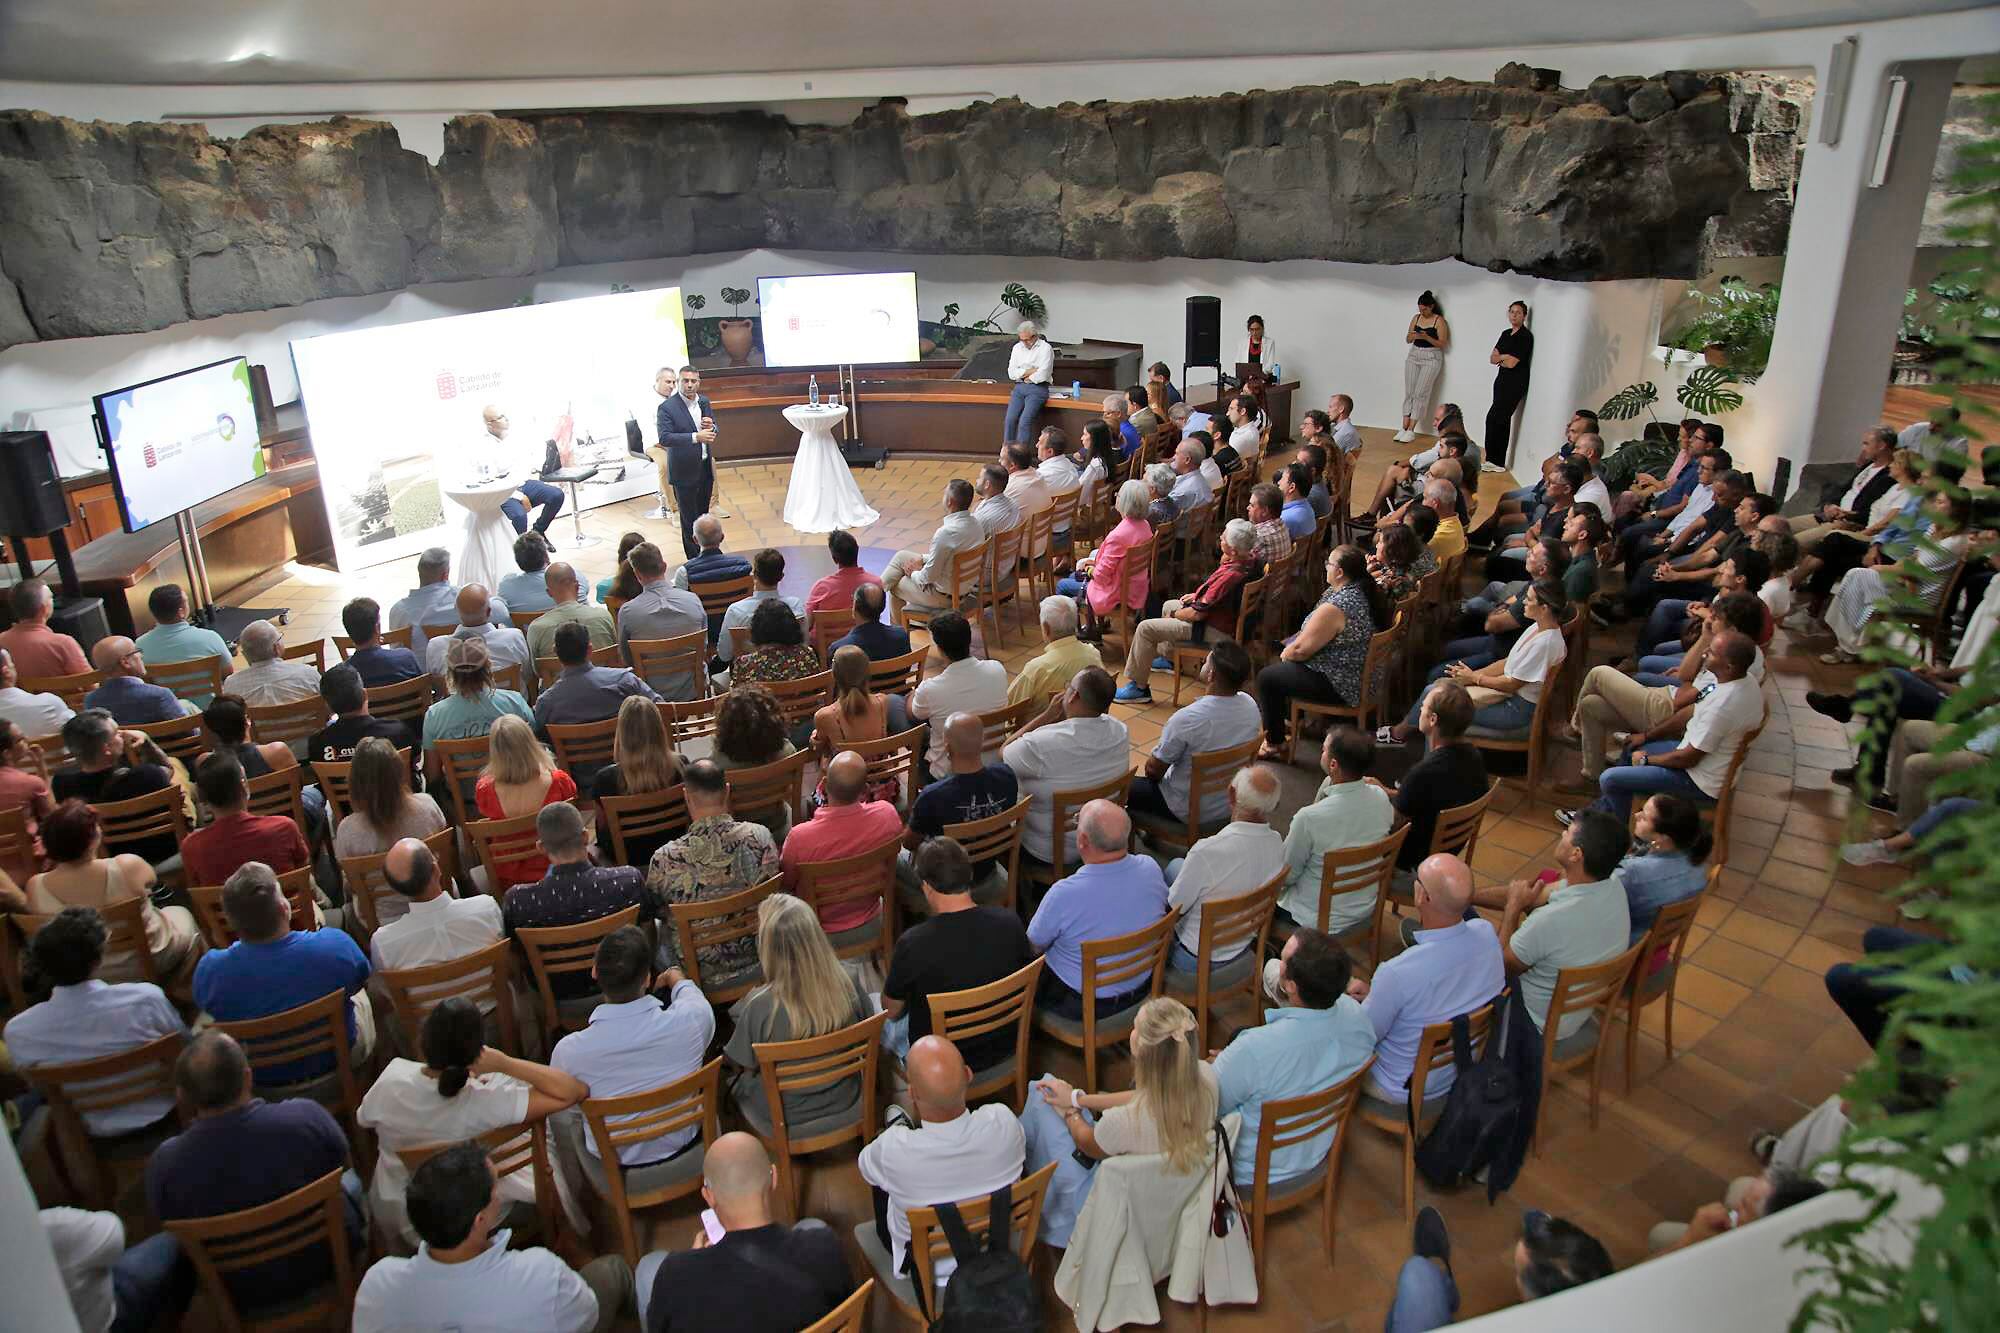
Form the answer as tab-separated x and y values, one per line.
717	856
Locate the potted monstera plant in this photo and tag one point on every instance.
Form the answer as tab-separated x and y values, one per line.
738	331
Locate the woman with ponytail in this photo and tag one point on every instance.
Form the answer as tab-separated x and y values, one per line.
1670	869
1170	1110
1323	661
462	1088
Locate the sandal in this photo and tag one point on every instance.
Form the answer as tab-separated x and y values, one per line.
1386	736
1272	754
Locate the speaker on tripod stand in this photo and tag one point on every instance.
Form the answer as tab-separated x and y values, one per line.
32	505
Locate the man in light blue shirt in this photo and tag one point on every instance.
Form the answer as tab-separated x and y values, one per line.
1114	893
1295	485
767	571
1585	922
527	588
434	602
173	639
1316	1037
1346	813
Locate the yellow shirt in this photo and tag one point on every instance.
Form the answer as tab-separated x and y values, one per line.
1448	540
1052	671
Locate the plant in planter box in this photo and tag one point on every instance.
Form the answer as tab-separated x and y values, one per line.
1734	326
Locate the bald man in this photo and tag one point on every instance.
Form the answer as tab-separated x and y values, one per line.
948	1153
125	693
771	1278
1453	967
505	645
524	463
846	825
1113	893
421	923
972	789
567	592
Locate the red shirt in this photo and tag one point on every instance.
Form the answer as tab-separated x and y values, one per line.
529	869
1219	594
39	651
834	832
835	592
212	854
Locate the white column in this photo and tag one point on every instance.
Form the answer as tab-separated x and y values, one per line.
1847	266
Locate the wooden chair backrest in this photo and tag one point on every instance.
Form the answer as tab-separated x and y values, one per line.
335	779
406	701
897	675
682	655
296	885
17	846
70	689
279	792
156	814
712	922
1138	560
522	619
1457	829
1580	988
1126	958
391	638
929	1244
650	814
314	652
182	738
829	624
959	1016
315	1028
462	760
1228	925
1209	773
553	951
77	1088
820	1062
1670	931
498	840
313	1217
868	876
997	837
1065	806
367	886
482	975
1000	723
739	641
1435	1052
585	743
1283	1122
780	782
898	758
548	668
1352	869
850	1316
194	678
799	699
616	1123
718	595
693	719
287	722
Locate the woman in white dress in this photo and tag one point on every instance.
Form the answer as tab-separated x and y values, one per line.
1862	592
1429	337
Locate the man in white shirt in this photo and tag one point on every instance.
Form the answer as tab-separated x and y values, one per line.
269	679
996	512
1026	487
1243	857
1031	364
437	928
954	681
916	578
1348	811
522	458
1222	717
111	1288
767	571
1245	437
1191	489
1073	743
634	1042
1590	452
1211	471
505	645
1060	474
36	715
950	1154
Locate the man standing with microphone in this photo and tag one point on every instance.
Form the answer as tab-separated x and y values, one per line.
1030	365
687	433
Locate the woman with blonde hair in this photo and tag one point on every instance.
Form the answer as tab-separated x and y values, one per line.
856	714
1170	1109
520	778
642	762
385	811
807	992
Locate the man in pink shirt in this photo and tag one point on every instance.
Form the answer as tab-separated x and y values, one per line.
38	650
845	826
835	592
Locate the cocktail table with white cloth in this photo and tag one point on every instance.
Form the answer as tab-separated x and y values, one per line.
488	550
823	494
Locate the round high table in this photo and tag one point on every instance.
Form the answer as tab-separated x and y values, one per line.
488	549
823	494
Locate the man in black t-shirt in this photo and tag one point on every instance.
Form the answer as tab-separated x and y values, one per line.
1450	774
111	766
962	946
347	698
973	790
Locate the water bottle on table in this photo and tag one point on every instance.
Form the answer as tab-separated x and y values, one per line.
1076	389
812	390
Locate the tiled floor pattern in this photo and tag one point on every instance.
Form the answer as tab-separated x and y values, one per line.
1757	1040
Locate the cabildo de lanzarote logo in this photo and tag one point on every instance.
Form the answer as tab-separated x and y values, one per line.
447	384
152	458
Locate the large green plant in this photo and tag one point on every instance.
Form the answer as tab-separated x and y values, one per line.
1944	1033
1737	318
1028	305
1708	391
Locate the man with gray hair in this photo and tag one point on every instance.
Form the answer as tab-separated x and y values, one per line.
1063	656
1031	364
38	650
710	563
1191	489
269	679
1441	498
917	578
1245	855
1204	616
1116	406
505	645
430	602
1113	893
574	891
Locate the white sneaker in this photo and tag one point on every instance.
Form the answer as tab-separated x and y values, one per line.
1874	852
1404	436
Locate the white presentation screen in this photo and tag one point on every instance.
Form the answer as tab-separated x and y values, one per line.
403	413
828	319
177	441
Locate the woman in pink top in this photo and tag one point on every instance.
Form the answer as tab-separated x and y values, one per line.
1105	567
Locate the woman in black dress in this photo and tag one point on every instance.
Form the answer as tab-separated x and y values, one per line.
1512	353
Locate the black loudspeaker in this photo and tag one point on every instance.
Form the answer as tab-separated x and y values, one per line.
31	492
1204	331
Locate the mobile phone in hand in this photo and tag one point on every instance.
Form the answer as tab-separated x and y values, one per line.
712	1224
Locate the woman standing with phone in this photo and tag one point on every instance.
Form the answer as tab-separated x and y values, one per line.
1429	336
1512	353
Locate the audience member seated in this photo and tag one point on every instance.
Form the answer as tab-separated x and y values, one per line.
1747	1199
1060	476
346	698
240	1152
1316	1036
432	604
856	714
272	968
973	790
1115	408
464	1273
1073	743
1544	523
174	638
623	583
1648	490
1552	1255
1652	535
37	650
662	610
1170	1109
125	693
1442	498
572	891
1670	633
1100	577
1161	511
778	1278
954	681
835	591
1346	436
806	993
635	1042
846	824
520	778
569	608
1221	717
81	874
430	925
1244	855
1025	487
1494	621
920	579
1863	592
1208	613
1688	564
112	766
643	762
527	588
710	564
234	836
869	634
384	810
1112	893
1450	965
228	725
269	679
1898	846
585	693
778	648
1581	923
1099	463
1266	510
1505	693
958	946
1294	482
1350	810
113	1289
24	783
1895	521
87	1018
1314	455
37	715
767	571
1394	562
1062	655
749	733
460	1089
505	645
996	512
1845	502
1323	661
378	663
717	856
947	1153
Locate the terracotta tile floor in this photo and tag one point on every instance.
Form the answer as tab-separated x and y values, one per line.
1757	1040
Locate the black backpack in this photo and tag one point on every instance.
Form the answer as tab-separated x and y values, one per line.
1482	1124
991	1291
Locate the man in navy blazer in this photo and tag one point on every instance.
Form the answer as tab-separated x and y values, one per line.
687	432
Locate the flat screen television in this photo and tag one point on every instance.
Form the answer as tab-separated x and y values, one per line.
177	441
830	319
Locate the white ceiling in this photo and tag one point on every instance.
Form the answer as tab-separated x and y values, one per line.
300	41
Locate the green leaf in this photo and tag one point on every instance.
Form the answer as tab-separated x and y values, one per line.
696	301
1707	391
1630	401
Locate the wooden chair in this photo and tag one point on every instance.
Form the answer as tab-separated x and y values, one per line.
391	638
462	761
739	641
852	880
767	786
314	652
70	689
195	680
335	780
850	1316
126	957
799	699
828	625
1647	984
1726	803
1933	627
1188	657
961	586
712	922
1209	775
1040	570
959	1016
1370	866
684	655
996	726
1596	989
1115	966
898	759
718	595
613	604
367	886
1412	1120
548	668
17	847
522	619
1140	558
484	976
615	1123
106	1083
1240	927
313	1217
897	675
915	1297
511	677
1003	551
583	743
996	838
406	702
286	722
182	738
1457	832
498	840
296	885
1284	1122
693	720
1535	743
652	814
279	792
802	1066
315	1028
1374	700
553	951
511	1148
1064	807
157	814
52	748
12	985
